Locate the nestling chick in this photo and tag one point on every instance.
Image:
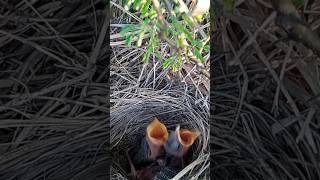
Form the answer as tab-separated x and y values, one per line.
178	145
148	172
152	145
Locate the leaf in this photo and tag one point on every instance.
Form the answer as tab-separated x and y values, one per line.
298	3
146	56
181	28
199	56
141	35
181	40
128	4
175	67
188	20
206	48
126	29
137	4
200	18
129	40
167	63
197	44
180	60
158	54
153	14
145	8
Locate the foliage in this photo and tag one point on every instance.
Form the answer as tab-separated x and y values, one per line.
177	28
298	3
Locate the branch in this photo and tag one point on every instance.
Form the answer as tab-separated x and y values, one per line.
165	25
186	10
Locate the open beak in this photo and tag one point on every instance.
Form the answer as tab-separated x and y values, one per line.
187	138
178	145
180	141
157	136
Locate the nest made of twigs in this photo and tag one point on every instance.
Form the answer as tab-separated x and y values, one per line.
129	121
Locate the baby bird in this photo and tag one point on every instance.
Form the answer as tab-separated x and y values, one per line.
155	171
152	145
178	145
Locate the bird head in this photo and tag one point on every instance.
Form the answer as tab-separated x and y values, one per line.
180	141
187	137
157	136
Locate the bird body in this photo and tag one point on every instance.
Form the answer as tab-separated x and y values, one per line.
157	136
180	141
149	172
178	145
144	173
155	171
151	145
149	157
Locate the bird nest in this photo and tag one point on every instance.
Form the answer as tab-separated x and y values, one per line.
130	119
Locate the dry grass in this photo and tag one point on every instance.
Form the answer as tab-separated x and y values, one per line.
141	92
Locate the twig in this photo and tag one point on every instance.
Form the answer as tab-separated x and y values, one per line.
186	10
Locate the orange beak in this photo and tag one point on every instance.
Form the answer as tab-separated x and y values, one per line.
157	136
187	138
180	141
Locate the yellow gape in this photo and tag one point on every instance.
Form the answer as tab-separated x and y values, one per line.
157	132
157	136
187	137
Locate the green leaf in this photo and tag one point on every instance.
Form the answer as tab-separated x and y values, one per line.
175	67
146	56
181	28
206	48
153	14
180	60
145	9
126	29
200	18
298	3
188	20
137	4
167	63
141	35
181	40
128	4
199	56
129	40
158	54
197	43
